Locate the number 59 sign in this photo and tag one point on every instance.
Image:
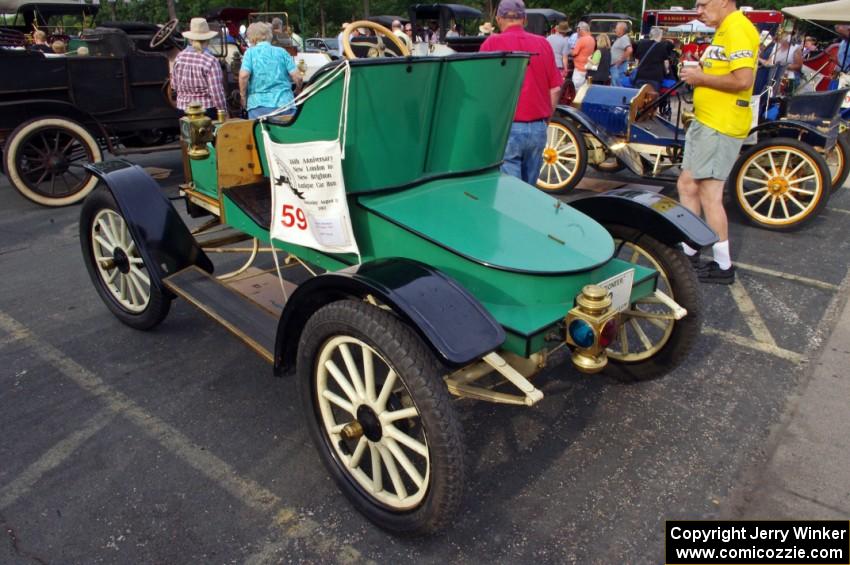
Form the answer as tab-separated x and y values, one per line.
288	219
308	195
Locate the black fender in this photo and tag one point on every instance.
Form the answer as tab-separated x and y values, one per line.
164	241
448	318
13	114
651	213
624	153
802	131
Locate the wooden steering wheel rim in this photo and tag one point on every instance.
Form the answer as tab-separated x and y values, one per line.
164	33
346	37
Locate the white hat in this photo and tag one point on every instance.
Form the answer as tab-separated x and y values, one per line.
199	30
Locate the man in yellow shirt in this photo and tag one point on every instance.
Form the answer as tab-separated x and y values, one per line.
723	87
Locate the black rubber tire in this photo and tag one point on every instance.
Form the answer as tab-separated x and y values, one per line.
813	207
574	138
17	142
158	305
421	374
842	156
684	289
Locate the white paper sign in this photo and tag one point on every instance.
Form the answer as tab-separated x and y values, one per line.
844	82
308	196
620	287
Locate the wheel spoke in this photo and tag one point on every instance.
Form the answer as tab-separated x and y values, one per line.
134	281
785	162
107	232
759	167
392	470
757	181
784	207
377	473
122	287
336	399
131	290
341	381
112	274
649	315
408	467
772	204
795	169
647	344
103	243
353	371
624	339
761	200
799	190
358	452
386	390
408	441
803	179
772	162
395	415
369	373
795	201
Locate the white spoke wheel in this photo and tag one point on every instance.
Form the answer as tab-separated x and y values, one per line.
649	341
380	416
780	184
564	158
116	266
837	161
43	159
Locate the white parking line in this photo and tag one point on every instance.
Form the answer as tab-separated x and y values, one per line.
749	343
787	276
51	459
287	521
751	314
843	211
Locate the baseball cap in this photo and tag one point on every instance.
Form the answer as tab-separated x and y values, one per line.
513	9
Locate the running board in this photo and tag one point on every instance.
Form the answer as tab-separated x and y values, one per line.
243	317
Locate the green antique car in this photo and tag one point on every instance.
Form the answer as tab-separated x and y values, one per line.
467	280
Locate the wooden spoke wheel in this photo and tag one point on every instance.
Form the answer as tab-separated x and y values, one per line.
838	163
780	183
650	341
564	158
116	266
380	416
43	159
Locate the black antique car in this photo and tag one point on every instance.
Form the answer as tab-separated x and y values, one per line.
60	111
541	20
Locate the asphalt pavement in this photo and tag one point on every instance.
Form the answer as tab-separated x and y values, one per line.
177	445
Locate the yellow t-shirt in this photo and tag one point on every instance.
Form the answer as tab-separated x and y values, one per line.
735	46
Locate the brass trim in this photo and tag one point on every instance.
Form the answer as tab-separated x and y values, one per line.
207	203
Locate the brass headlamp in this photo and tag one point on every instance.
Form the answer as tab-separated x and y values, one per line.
591	326
196	130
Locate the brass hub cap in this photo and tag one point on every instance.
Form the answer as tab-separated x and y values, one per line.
550	156
777	185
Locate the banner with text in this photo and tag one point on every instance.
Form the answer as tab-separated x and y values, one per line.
308	196
757	541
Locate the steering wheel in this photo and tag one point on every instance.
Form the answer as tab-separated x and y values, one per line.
375	50
164	33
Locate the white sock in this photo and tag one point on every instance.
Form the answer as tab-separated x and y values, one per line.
689	251
720	250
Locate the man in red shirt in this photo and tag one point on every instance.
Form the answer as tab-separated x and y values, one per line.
538	97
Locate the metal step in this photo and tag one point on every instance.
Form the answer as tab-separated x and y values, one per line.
246	319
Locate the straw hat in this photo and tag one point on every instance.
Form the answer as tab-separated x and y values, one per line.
199	30
486	28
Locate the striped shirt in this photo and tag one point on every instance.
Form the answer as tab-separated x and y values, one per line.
196	77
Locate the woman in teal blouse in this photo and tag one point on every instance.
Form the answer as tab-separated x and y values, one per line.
267	75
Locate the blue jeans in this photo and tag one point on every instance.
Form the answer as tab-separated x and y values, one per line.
617	74
524	153
255	113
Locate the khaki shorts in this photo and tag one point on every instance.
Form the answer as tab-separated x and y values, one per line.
709	154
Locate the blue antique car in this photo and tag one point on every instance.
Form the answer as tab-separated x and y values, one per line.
788	167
